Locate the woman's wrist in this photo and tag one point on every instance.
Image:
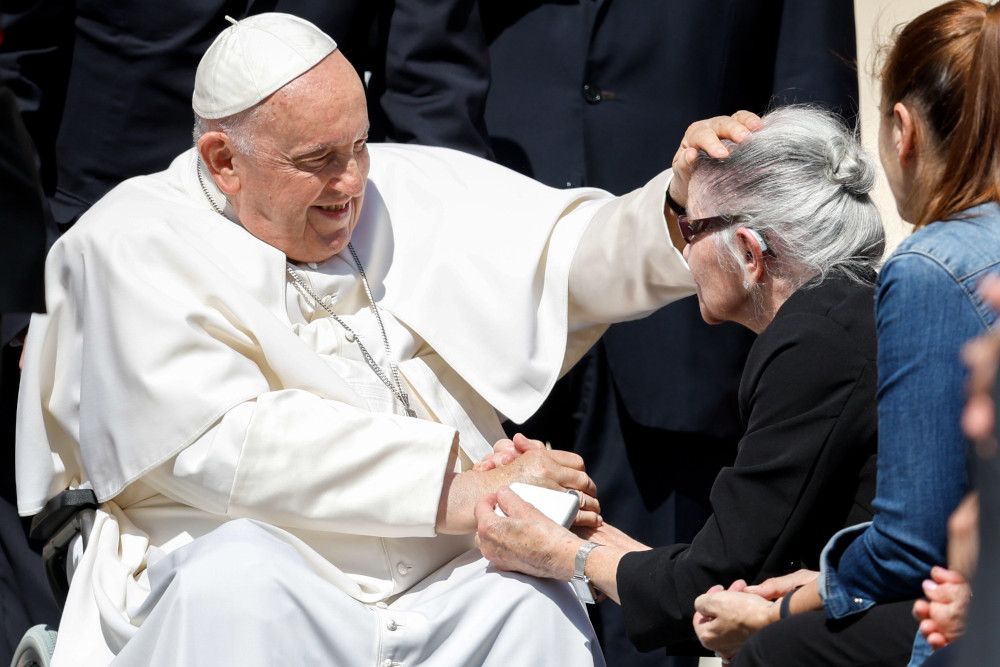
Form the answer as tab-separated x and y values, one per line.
785	608
602	568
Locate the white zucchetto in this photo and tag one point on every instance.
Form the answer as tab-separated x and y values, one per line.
253	58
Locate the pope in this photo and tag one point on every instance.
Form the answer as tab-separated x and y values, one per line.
277	361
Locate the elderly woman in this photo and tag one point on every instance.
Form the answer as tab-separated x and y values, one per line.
938	141
784	239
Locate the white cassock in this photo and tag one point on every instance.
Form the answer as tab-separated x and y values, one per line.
265	500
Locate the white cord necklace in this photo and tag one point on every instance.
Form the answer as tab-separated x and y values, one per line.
396	385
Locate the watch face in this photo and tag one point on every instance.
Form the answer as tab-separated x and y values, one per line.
583	590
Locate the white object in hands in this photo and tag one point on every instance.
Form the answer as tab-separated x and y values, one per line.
560	506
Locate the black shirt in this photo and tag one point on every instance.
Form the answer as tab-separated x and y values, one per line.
805	467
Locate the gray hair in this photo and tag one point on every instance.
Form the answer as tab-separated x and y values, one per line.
803	180
240	127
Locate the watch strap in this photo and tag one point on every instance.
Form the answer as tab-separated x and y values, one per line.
580	581
785	610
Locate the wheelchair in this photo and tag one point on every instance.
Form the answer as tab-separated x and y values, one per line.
65	525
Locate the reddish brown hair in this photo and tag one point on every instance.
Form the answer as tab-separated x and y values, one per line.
945	65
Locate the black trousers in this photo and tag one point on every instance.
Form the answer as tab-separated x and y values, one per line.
880	637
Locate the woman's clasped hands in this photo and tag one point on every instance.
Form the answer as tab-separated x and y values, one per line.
725	618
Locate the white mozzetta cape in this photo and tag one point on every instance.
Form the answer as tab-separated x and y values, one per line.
179	373
162	315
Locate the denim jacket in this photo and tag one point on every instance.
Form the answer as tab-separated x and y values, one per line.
926	307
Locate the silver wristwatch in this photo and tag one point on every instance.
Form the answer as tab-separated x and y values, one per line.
580	581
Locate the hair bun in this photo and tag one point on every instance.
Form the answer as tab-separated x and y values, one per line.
849	167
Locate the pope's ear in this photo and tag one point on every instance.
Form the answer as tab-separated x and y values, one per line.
216	151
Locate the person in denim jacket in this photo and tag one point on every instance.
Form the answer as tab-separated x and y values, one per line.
938	143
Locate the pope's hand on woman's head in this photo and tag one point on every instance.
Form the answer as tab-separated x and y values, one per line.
706	135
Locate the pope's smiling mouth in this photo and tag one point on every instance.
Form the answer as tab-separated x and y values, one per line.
333	207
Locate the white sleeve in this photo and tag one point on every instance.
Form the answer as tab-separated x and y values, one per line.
295	460
628	231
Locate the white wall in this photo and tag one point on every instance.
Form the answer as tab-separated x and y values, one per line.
875	20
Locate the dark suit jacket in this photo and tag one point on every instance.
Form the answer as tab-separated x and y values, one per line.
22	225
105	87
25	599
805	467
599	93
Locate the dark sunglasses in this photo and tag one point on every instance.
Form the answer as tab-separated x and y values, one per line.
691	228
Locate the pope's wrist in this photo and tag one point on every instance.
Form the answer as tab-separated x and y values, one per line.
673	202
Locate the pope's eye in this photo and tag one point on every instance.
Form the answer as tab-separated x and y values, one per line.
315	163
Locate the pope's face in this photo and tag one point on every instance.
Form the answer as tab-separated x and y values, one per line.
302	189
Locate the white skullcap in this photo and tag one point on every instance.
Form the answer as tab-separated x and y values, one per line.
253	58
